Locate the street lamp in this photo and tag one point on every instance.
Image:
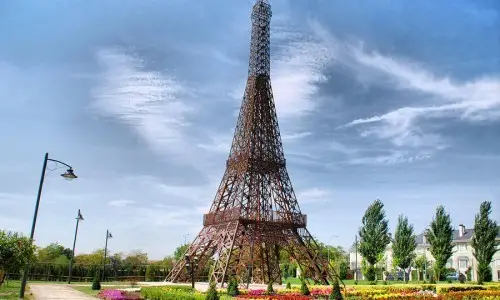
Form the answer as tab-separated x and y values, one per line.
108	236
328	245
79	218
190	267
185	236
69	175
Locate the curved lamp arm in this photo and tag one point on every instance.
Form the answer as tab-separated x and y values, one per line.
60	162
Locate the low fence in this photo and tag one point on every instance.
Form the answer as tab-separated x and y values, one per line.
86	273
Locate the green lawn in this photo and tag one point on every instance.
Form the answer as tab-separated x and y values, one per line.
10	290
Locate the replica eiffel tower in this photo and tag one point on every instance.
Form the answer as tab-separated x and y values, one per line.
255	214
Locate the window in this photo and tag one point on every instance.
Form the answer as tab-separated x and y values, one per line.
463	264
462	247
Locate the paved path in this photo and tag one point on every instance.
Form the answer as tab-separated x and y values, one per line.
57	291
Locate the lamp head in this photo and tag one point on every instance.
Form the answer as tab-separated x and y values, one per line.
80	217
69	174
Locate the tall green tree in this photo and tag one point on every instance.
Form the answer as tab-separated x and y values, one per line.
15	251
484	241
373	237
404	244
440	237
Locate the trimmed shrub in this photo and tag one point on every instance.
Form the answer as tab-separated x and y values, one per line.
336	294
304	290
212	292
270	290
288	285
96	283
232	287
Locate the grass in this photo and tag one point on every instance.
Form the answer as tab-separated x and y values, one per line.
10	290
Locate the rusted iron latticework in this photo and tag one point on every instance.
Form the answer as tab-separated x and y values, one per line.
255	213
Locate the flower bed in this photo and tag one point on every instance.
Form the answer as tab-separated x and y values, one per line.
118	295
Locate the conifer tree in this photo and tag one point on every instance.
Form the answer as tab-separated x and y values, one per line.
374	237
440	237
404	245
484	241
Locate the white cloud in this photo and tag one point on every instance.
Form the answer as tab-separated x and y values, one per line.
396	157
295	136
474	100
313	195
148	101
120	203
297	67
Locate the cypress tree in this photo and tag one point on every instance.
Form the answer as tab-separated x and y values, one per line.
484	242
440	237
374	237
404	245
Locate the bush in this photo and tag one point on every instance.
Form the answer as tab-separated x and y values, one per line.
232	287
270	290
288	286
336	293
212	292
96	283
370	273
304	290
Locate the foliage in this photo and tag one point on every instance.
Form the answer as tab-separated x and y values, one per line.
179	251
152	271
212	292
288	285
136	258
52	253
374	236
304	290
440	237
404	244
336	294
96	283
15	252
484	241
270	290
420	263
232	287
171	292
94	258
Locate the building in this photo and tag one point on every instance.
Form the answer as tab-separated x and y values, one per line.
461	259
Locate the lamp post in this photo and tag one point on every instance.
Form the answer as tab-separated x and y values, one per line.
356	258
79	218
108	236
185	236
190	267
328	245
69	175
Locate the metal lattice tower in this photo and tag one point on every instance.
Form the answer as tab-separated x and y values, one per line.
255	213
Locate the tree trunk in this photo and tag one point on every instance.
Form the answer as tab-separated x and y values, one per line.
2	277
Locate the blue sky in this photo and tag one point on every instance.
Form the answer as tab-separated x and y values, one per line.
397	100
